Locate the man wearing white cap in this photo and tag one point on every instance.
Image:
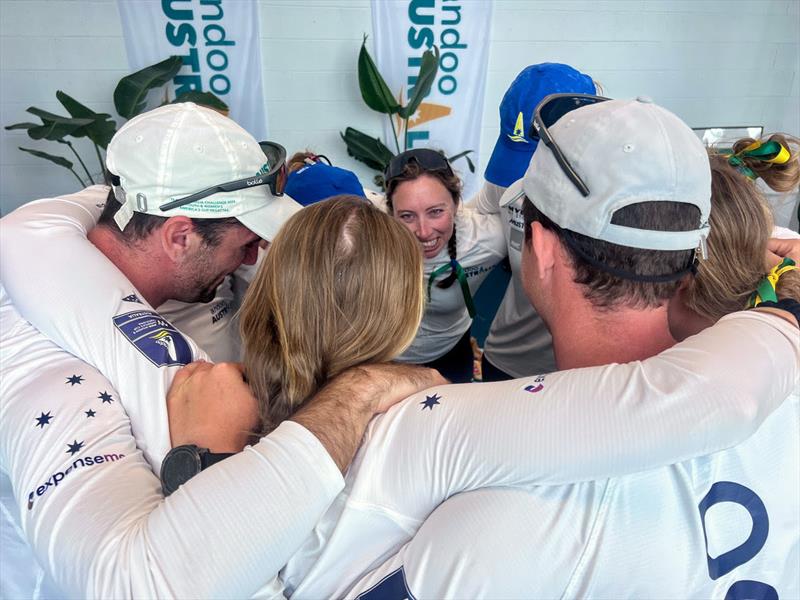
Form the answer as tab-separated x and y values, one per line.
196	196
615	202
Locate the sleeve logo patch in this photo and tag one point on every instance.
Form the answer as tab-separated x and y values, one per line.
156	338
537	385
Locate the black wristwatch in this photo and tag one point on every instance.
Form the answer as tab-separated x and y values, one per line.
184	462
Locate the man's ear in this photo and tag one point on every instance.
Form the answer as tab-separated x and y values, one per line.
544	245
178	237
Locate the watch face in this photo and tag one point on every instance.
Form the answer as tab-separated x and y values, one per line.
179	466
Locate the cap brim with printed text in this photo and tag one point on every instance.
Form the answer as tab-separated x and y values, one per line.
514	147
627	152
176	150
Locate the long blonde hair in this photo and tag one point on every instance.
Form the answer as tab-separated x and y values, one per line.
341	285
741	223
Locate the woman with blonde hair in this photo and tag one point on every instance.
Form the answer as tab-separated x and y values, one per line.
741	226
322	302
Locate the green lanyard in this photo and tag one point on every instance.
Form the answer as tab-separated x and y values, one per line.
462	280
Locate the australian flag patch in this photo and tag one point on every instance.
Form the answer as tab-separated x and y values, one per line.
155	337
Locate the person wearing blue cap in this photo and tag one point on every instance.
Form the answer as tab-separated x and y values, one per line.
518	343
313	178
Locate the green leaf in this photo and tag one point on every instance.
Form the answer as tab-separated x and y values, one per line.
374	90
54	127
22	126
59	160
465	156
130	95
369	150
428	68
459	155
100	130
470	164
203	99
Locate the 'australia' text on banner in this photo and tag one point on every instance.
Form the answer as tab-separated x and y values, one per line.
450	117
218	41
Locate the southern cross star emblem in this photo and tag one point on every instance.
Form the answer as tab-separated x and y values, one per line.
74	447
43	420
75	379
106	397
430	401
89	413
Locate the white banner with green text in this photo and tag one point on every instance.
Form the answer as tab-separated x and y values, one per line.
218	41
450	117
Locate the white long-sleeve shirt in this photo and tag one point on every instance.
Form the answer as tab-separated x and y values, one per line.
726	525
76	490
568	426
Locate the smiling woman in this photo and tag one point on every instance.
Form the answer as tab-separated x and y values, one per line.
460	247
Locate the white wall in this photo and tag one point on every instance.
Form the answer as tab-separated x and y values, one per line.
713	62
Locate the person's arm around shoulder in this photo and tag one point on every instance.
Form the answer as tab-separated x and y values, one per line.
584	424
212	406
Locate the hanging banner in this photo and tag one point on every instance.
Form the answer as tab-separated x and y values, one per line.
218	41
450	118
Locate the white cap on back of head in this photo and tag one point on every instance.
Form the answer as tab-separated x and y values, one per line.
176	150
626	152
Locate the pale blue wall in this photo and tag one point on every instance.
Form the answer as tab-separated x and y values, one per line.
713	62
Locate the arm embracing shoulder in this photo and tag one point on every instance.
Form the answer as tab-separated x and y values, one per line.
92	508
703	395
73	294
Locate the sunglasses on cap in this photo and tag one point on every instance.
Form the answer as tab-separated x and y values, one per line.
427	159
550	110
275	178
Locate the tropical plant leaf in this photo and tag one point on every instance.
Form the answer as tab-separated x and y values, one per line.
59	160
470	164
459	155
21	126
374	91
428	68
130	95
203	99
465	155
369	150
54	127
100	130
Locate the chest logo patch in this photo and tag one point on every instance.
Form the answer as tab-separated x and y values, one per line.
155	337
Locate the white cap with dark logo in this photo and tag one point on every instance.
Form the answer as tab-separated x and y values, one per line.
175	150
626	152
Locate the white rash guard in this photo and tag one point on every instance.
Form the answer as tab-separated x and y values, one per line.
563	427
76	491
721	526
518	341
479	247
479	439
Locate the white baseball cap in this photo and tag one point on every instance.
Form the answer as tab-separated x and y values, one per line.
176	150
626	152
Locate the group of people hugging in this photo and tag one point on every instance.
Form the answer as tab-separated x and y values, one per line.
233	373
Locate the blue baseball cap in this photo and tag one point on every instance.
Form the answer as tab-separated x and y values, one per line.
513	151
319	181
